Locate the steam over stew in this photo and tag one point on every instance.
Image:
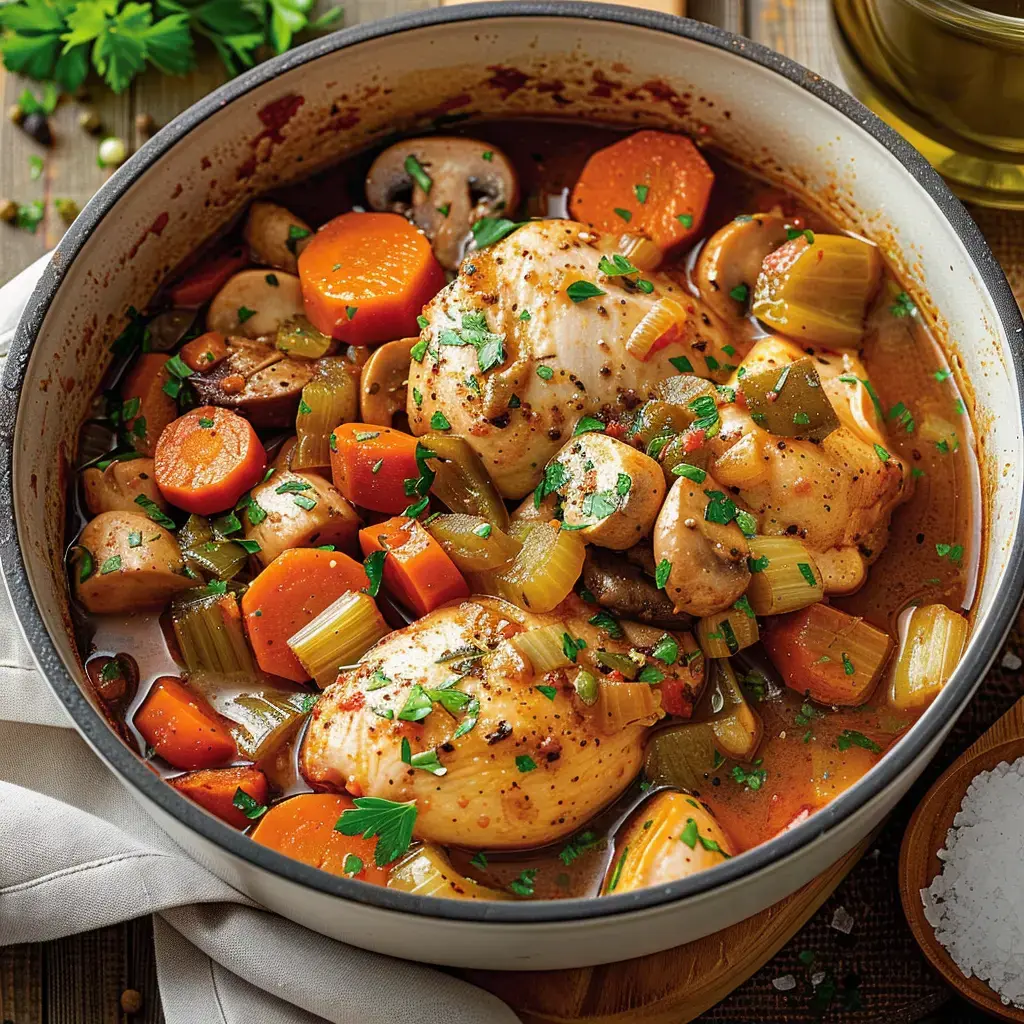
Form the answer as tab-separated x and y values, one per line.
569	478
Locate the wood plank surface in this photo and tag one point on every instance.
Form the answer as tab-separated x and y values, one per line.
79	980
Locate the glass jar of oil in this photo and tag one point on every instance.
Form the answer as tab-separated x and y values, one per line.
949	76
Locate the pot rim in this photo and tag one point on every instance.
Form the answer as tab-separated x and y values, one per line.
987	636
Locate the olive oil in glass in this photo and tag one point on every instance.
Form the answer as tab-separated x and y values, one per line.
949	76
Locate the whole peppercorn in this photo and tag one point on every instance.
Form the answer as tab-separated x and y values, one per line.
90	121
131	1001
8	210
38	127
16	113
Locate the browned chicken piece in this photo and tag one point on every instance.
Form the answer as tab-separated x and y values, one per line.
513	362
529	772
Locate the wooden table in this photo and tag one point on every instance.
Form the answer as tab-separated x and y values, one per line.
78	980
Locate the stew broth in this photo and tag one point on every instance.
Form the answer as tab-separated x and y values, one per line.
806	751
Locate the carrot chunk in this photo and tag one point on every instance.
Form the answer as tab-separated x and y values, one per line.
207	459
155	408
652	183
830	656
370	465
214	790
303	828
416	570
182	728
296	587
366	276
202	354
207	278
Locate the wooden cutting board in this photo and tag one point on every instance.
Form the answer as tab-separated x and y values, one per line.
665	988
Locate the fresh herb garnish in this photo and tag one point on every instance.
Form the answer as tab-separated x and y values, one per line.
579	291
248	805
392	823
415	171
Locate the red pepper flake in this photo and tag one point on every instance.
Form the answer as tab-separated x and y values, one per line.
693	439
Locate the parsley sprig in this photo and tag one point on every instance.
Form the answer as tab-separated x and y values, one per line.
57	41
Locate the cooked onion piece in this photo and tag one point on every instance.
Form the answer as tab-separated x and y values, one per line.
672	836
426	871
682	756
935	639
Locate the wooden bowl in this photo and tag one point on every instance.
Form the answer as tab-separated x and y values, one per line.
926	835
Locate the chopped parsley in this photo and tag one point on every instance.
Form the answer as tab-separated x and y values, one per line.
373	565
641	193
490	347
624	214
851	738
415	171
662	572
392	823
903	306
753	779
588	425
525	763
249	806
579	291
523	885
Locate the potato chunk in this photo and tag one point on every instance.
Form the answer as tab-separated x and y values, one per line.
136	565
115	488
611	491
303	510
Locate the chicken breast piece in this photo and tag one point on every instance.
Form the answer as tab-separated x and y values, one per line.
488	374
529	772
837	495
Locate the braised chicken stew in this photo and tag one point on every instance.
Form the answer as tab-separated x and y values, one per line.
539	510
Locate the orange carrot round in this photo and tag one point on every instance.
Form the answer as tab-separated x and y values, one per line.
416	570
214	790
366	276
182	728
370	465
145	381
652	183
303	828
207	459
290	592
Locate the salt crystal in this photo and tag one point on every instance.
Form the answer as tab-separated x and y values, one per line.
784	984
1011	661
817	978
842	921
976	903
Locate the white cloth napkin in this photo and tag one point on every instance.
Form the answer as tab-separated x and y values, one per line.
78	854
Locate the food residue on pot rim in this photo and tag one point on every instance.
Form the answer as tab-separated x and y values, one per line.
976	904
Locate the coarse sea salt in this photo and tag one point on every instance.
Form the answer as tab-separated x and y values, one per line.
976	903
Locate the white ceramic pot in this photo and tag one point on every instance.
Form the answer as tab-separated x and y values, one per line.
330	97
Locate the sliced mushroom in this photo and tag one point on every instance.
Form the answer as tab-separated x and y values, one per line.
731	259
250	305
259	381
623	588
467	179
708	561
612	491
303	510
275	235
135	565
384	384
115	488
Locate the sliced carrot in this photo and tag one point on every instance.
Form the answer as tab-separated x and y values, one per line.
145	381
207	278
652	183
370	465
366	277
416	570
303	828
214	789
207	459
202	354
182	728
296	587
